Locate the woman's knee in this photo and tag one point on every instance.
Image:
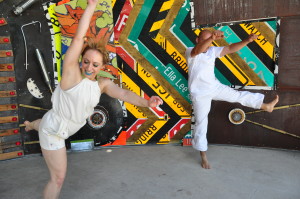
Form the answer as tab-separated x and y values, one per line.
59	179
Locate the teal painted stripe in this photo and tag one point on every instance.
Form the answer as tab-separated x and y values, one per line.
169	72
272	24
189	134
175	28
251	59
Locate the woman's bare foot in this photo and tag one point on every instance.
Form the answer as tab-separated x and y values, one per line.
270	106
204	161
28	126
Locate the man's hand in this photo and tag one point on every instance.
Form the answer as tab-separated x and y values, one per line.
217	34
252	37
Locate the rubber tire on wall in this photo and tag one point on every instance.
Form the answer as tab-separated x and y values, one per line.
95	128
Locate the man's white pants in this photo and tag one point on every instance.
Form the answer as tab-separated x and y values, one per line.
202	105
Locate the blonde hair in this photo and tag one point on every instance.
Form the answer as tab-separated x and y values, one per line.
91	44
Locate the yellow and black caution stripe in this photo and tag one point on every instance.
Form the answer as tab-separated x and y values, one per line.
172	51
262	41
134	110
160	17
239	67
262	48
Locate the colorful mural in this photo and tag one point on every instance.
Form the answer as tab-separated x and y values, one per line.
151	61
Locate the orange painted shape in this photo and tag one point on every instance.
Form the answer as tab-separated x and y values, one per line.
121	140
63	2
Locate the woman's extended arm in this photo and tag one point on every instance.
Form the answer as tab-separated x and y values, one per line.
111	89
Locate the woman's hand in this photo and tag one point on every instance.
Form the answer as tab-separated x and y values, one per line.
154	101
91	2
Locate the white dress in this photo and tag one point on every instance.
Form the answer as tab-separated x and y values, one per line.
70	109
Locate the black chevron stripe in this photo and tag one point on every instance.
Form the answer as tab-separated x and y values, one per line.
227	73
117	9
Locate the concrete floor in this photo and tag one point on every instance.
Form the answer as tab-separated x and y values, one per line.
161	172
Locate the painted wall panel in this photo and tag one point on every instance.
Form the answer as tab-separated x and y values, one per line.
254	66
159	68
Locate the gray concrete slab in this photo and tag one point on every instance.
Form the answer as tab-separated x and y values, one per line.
161	172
